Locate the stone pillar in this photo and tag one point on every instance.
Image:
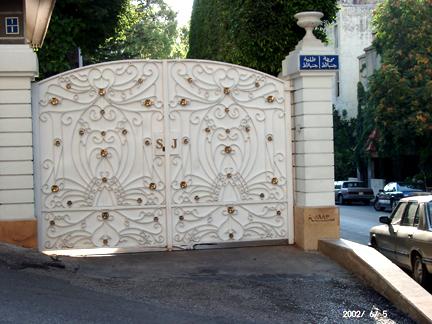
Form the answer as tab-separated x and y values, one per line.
18	67
315	213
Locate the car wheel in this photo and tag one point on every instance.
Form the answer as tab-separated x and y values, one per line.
420	273
376	205
341	200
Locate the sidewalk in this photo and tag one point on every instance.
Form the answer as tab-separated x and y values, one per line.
273	284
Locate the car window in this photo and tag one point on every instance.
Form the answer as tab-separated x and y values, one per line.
410	214
337	186
390	187
429	212
397	214
354	184
419	220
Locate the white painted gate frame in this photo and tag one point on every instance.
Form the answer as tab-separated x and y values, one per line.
289	187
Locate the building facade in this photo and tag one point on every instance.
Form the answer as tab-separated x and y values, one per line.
350	35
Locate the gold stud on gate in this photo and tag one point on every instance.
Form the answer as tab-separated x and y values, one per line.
124	131
101	92
227	130
226	90
68	86
181	218
69	203
55	188
185	141
229	175
155	219
247	129
105	242
104	153
104	179
262	195
190	80
147	142
54	101
231	210
278	212
140	81
105	215
269	138
57	142
81	131
270	99
52	223
197	198
152	186
231	236
148	102
207	129
183	184
226	110
274	181
228	149
139	200
257	84
102	112
183	102
103	133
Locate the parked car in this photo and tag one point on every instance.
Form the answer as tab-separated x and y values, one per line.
406	237
349	191
388	198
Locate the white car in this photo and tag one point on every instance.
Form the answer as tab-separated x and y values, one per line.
406	237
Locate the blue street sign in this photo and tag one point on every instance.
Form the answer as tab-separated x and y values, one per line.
319	62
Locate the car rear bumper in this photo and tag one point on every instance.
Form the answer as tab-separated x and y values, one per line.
359	197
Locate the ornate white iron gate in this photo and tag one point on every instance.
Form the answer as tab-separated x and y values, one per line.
161	154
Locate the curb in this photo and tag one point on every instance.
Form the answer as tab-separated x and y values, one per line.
382	275
17	257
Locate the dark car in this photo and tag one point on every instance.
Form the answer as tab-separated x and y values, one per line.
349	191
388	198
406	237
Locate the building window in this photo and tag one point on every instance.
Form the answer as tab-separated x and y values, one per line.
336	36
337	84
12	26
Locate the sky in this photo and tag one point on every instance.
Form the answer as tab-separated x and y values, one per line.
183	9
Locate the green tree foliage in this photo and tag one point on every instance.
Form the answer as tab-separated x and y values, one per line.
344	145
400	91
254	33
146	30
77	23
181	47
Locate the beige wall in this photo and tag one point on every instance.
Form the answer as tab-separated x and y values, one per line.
18	66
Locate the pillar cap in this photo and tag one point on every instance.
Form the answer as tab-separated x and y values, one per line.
308	46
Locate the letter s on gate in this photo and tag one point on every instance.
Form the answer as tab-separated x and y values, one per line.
160	144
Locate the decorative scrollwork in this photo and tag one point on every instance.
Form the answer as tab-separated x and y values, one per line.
103	181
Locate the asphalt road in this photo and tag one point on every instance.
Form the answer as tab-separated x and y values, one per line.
356	220
274	284
27	297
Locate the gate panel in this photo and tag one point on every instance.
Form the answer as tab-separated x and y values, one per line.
102	182
229	168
